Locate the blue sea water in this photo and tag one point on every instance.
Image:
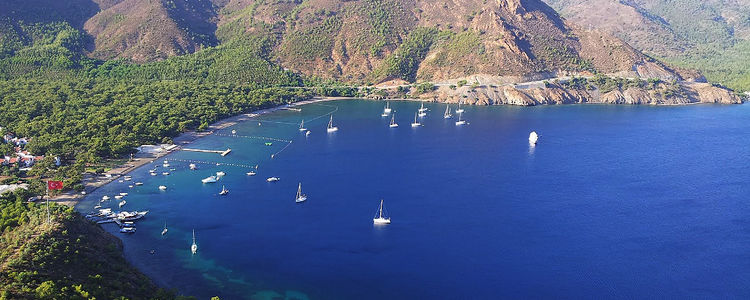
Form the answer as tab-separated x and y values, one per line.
614	202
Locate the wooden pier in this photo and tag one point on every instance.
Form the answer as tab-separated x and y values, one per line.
222	153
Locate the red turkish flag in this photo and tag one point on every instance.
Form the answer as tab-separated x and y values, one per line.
54	185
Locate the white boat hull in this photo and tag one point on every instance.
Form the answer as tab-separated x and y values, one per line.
332	129
393	125
381	221
415	124
301	199
460	122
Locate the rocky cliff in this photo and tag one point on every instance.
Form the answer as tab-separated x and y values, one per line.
552	94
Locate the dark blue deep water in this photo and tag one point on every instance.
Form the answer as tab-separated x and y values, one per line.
614	202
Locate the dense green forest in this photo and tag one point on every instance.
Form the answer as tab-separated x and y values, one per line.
67	258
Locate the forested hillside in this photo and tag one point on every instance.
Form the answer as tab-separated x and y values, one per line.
67	258
712	36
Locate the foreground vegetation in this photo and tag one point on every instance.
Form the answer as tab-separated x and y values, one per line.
68	258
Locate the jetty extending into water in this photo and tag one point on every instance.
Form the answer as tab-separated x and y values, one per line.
223	153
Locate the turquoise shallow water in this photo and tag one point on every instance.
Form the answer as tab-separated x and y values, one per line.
614	202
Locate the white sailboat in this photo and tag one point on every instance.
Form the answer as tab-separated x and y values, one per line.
302	126
533	138
393	122
331	128
380	219
300	196
416	123
224	191
164	231
422	108
447	114
387	109
459	109
194	246
460	122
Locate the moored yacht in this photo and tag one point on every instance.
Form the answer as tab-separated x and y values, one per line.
251	173
192	166
387	110
393	121
105	198
460	121
380	218
122	203
416	123
220	173
447	114
330	127
209	179
459	109
138	183
162	188
164	231
224	191
422	108
273	179
300	196
302	126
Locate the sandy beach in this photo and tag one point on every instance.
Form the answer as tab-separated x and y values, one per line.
92	181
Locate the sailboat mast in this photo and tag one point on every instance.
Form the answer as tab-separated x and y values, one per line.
381	209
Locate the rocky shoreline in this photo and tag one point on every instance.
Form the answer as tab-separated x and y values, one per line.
688	93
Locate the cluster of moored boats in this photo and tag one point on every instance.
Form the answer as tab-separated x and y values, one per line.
421	113
124	219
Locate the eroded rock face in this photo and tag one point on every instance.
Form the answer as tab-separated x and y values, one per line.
689	92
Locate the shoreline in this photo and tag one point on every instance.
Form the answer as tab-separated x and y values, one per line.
91	182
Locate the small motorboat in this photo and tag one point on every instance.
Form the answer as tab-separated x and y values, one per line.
105	198
165	173
251	173
220	173
163	188
127	230
210	179
273	179
533	138
123	194
193	166
118	197
122	203
138	183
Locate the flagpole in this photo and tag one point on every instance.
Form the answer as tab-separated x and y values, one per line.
48	219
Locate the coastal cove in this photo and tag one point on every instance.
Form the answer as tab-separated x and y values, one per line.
615	201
